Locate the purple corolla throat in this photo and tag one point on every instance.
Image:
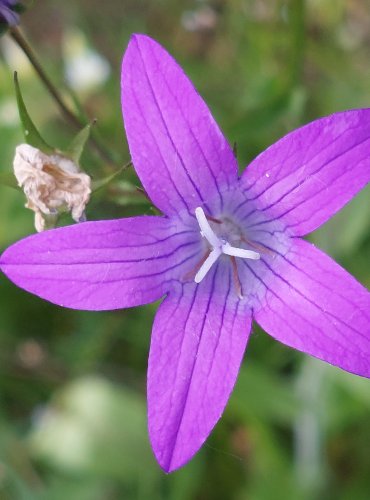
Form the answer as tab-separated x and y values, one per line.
219	246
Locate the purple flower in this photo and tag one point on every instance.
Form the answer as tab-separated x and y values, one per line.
227	250
8	15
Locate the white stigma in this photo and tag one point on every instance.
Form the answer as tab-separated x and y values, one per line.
219	246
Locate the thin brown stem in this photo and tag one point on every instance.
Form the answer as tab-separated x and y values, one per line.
71	117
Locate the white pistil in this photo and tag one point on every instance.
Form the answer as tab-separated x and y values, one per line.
219	247
207	264
205	228
227	249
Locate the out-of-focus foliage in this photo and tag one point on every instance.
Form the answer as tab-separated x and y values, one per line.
72	384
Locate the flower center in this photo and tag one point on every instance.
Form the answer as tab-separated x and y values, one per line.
219	244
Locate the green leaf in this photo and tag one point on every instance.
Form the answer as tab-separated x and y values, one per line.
76	147
261	384
12	486
101	183
31	134
342	235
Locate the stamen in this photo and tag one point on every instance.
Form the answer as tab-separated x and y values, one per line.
237	283
258	246
213	219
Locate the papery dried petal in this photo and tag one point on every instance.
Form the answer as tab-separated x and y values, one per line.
51	183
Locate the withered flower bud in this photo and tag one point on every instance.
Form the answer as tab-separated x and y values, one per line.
52	184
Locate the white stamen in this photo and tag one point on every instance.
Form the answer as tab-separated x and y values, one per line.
218	245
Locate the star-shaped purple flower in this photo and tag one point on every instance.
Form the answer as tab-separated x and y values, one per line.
227	249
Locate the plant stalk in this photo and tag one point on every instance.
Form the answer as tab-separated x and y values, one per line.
71	117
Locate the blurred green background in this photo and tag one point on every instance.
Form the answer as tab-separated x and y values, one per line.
72	384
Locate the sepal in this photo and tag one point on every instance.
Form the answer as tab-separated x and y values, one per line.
76	147
31	135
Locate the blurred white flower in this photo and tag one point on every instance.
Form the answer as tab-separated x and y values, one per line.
15	57
85	69
52	184
9	116
204	18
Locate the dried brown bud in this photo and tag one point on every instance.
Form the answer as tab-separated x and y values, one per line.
52	184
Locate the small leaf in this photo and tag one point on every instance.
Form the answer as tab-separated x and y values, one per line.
31	134
100	183
76	147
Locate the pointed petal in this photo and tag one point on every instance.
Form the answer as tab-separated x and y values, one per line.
102	265
199	337
311	173
314	305
176	146
9	16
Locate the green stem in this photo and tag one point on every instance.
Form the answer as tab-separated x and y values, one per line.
298	34
54	92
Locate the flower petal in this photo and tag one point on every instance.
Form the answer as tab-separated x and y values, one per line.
176	146
102	265
198	340
8	15
314	305
311	173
